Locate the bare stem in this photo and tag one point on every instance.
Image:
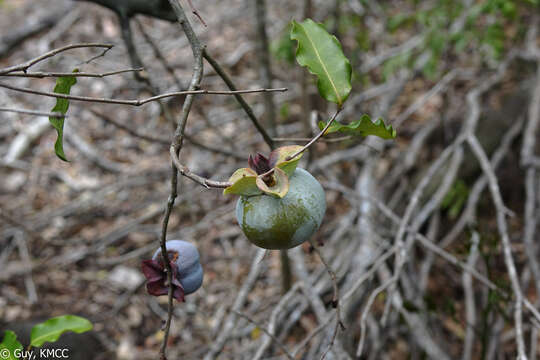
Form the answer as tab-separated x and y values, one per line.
164	139
335	299
41	74
26	65
164	256
134	102
249	111
176	146
312	141
265	70
264	330
296	139
207	183
33	112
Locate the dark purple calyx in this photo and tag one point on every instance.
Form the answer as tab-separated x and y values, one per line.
262	165
156	276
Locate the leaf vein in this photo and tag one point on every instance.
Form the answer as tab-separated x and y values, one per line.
324	67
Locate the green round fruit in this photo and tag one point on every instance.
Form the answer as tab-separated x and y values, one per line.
273	223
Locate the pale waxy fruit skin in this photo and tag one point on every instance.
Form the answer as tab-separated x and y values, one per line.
190	271
273	223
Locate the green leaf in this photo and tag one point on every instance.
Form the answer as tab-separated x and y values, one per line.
280	186
51	329
279	155
63	86
363	127
244	183
9	345
323	56
455	199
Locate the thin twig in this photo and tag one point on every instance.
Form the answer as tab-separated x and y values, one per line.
283	302
162	240
33	112
365	312
312	141
28	29
225	333
207	183
265	70
164	140
196	13
26	65
531	176
293	139
176	146
404	246
335	299
263	329
41	74
248	110
533	122
159	55
429	245
470	308
135	102
505	239
425	97
25	257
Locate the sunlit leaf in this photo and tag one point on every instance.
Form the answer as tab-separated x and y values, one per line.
63	86
323	56
279	156
363	127
51	329
8	346
244	183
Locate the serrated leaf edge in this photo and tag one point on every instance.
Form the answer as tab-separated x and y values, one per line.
322	63
340	101
337	126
